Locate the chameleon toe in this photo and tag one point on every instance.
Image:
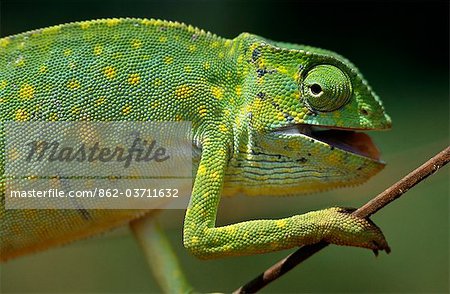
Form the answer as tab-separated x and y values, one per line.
343	228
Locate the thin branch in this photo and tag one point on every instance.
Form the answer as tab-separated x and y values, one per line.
371	207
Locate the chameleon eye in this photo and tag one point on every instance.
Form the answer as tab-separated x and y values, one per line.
326	88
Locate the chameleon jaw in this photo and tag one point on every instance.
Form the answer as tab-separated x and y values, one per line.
347	140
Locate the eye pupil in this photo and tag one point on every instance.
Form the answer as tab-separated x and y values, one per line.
316	89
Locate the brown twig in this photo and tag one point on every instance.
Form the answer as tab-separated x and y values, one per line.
371	207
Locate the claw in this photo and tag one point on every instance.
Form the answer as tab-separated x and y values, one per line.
380	247
387	249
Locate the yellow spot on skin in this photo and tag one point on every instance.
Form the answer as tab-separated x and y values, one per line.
192	48
221	55
194	240
136	43
26	91
260	81
238	91
76	110
100	100
134	79
202	110
85	25
73	85
333	160
187	68
4	42
207	65
21	115
201	170
67	52
217	92
232	50
223	128
154	104
262	62
280	116
168	59
3	84
98	49
257	104
15	154
215	44
221	152
178	117
231	230
282	69
126	109
215	175
281	223
43	69
112	22
110	72
51	30
240	59
163	39
184	91
146	22
53	117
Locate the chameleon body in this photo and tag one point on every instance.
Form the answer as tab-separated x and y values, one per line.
270	118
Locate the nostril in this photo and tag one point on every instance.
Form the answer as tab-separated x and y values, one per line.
364	111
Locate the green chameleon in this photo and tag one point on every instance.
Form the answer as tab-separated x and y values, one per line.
270	118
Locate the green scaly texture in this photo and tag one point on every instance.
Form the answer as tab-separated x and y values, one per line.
251	101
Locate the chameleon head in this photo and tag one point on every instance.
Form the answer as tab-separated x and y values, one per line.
307	107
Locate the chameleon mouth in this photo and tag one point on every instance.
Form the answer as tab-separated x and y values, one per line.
347	140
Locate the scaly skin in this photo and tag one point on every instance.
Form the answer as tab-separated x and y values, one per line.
241	96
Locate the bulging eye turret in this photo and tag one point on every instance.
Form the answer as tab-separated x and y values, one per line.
326	88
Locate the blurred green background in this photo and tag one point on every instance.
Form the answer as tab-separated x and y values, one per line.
402	49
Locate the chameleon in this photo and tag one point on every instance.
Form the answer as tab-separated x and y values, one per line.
269	118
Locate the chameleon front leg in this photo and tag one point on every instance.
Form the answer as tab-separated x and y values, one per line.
205	240
160	256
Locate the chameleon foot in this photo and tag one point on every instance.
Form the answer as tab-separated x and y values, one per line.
342	228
